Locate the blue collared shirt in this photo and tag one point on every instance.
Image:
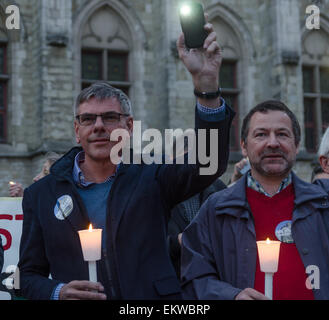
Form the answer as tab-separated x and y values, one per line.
212	114
78	176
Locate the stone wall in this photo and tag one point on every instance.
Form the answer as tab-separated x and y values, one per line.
44	71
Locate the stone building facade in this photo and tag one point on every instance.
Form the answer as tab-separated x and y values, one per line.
63	45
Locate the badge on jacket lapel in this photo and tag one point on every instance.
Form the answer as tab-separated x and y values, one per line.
63	207
283	232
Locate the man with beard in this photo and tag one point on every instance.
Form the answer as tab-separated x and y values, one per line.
219	251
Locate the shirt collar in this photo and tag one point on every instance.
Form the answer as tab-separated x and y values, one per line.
255	185
78	176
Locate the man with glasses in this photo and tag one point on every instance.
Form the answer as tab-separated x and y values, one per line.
131	203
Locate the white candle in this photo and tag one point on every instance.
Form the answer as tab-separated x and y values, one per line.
92	267
268	252
91	244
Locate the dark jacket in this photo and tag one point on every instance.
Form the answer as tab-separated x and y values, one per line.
135	263
219	247
179	221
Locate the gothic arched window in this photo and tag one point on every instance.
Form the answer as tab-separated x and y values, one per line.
105	49
229	74
315	87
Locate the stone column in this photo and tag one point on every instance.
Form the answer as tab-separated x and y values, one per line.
286	69
56	71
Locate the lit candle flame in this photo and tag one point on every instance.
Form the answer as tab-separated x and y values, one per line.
90	228
12	183
268	241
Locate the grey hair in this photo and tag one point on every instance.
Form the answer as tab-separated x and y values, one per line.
52	157
324	146
102	90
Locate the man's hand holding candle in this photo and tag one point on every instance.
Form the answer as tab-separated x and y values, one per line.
91	240
82	290
250	294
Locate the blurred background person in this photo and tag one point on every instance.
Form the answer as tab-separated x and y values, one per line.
183	213
321	169
318	173
50	159
323	155
240	168
181	216
16	189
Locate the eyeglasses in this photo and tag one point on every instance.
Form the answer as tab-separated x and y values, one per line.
108	118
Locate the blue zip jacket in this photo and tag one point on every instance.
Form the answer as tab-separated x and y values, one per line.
219	248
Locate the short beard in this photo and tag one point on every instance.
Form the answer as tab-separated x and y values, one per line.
259	168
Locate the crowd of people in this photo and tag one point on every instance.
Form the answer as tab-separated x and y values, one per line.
168	231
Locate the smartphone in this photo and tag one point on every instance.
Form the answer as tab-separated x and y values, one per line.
192	21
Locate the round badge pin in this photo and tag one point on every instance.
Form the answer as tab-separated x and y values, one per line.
283	232
63	207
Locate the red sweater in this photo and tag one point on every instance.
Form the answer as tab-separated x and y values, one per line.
289	280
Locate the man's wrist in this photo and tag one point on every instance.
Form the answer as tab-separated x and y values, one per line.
56	291
220	107
206	83
209	85
210	103
207	95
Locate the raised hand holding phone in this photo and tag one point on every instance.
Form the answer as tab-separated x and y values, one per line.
204	64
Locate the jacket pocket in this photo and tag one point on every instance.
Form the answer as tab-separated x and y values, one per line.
167	286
